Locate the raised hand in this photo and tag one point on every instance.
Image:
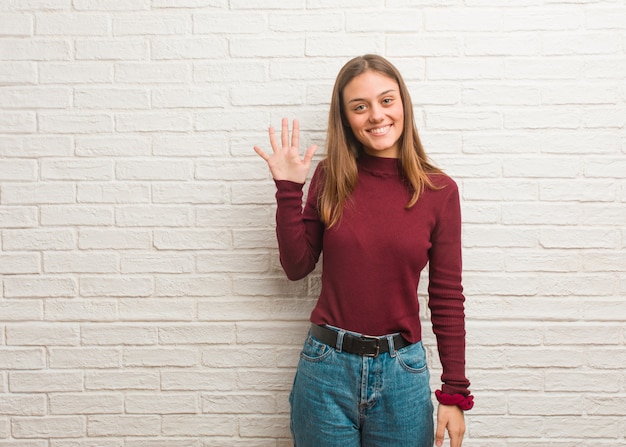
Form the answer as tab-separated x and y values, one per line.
285	162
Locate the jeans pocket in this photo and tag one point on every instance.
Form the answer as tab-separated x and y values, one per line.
413	358
315	351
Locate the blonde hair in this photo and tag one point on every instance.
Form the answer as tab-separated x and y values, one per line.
343	148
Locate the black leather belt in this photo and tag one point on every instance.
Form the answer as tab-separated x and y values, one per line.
361	345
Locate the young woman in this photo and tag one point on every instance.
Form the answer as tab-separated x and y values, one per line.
381	212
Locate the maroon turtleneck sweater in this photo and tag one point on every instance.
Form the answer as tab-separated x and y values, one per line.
373	258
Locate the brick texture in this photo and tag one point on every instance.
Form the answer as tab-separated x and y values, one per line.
141	299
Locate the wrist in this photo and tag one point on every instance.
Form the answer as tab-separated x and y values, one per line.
463	402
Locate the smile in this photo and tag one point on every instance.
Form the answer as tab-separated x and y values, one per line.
380	130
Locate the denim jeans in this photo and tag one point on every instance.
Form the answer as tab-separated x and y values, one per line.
346	400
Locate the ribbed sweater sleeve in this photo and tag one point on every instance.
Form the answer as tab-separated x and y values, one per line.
299	231
446	299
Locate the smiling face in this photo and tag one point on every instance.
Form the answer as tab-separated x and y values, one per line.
375	113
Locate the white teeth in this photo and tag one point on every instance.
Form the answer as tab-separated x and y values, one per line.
379	130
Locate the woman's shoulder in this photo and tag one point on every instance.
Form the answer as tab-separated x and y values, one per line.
441	181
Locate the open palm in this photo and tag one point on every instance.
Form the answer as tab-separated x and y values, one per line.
285	162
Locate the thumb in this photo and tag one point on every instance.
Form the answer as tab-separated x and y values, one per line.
308	155
439	434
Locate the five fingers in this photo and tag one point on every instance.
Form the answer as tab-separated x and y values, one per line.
284	139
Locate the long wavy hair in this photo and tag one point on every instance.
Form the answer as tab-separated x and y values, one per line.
343	148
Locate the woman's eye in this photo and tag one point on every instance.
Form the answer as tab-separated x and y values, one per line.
359	108
387	100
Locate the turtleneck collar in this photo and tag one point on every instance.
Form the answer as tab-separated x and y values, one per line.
379	166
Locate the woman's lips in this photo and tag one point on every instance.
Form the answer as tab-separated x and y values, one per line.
380	130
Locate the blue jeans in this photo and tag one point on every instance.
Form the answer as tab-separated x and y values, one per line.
346	400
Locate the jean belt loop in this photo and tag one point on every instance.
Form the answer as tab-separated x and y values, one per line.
392	349
340	335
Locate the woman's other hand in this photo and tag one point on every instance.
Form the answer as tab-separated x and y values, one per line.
452	419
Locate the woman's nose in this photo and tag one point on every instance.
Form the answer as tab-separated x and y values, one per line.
376	114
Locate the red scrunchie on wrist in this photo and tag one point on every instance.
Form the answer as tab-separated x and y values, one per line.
463	402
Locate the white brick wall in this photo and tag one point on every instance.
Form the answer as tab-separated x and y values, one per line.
141	301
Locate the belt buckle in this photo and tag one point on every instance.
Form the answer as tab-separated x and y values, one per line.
377	340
